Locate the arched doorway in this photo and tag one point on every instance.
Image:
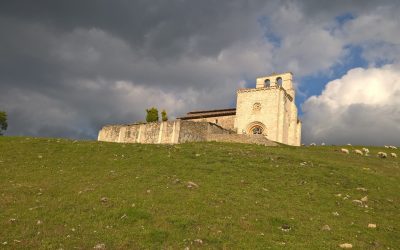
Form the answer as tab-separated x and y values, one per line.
256	128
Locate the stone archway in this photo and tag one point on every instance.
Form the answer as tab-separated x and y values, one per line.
256	128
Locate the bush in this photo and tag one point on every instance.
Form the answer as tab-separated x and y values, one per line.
3	122
164	116
152	115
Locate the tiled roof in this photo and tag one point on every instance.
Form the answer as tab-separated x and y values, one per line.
208	113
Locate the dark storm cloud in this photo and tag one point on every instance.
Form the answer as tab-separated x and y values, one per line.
159	28
50	51
69	67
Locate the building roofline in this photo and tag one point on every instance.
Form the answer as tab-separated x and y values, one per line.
212	110
208	114
275	74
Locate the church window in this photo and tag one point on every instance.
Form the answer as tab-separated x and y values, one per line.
279	81
256	106
267	83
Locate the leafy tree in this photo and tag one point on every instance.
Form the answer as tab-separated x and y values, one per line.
3	122
152	115
164	115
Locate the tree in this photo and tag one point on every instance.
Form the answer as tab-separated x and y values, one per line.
164	116
152	115
3	122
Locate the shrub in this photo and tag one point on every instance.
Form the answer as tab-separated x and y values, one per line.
164	116
152	115
3	122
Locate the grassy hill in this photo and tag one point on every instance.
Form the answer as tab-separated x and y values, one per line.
78	194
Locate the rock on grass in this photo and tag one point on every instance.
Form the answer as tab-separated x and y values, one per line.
346	246
326	228
100	246
191	184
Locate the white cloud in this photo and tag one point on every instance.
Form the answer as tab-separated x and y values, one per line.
362	107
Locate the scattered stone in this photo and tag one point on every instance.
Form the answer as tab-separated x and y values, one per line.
394	155
362	189
364	199
176	181
124	216
371	225
326	228
358	202
285	228
338	195
104	199
133	205
12	220
100	246
4	243
346	245
40	156
148	191
191	184
335	214
198	241
39	222
197	155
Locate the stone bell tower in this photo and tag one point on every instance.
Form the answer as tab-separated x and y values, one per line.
269	109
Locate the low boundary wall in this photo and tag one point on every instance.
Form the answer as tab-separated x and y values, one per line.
169	132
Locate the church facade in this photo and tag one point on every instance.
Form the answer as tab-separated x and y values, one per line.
268	109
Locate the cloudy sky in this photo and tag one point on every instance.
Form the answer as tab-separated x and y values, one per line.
69	67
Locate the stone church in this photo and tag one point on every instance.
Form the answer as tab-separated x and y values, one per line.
268	109
265	113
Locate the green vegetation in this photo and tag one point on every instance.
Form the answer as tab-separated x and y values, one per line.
152	115
76	194
164	116
3	122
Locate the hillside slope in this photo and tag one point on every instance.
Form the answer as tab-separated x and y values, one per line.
78	194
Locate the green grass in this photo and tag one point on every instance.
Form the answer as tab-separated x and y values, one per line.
246	193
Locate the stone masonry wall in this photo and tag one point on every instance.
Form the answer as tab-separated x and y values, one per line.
160	132
226	121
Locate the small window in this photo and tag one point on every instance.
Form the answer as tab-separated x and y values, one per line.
279	81
216	120
267	83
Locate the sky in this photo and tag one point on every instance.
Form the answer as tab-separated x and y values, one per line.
67	68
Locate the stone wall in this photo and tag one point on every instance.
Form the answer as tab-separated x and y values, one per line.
226	121
237	138
160	132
